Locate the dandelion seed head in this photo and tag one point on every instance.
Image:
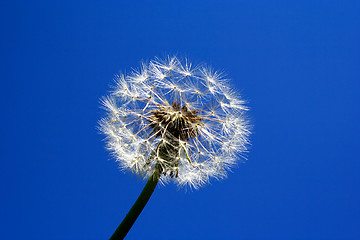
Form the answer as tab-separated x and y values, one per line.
176	118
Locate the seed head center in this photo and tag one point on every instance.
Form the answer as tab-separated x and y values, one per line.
175	121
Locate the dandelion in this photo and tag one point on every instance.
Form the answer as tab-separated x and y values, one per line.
172	121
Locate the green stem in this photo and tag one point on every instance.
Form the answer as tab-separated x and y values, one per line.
138	206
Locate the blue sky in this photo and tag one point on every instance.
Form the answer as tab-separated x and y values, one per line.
296	63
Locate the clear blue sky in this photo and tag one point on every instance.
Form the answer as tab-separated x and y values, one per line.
296	62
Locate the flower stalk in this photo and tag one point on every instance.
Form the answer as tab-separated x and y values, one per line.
137	208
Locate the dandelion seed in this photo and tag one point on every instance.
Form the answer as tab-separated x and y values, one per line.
184	122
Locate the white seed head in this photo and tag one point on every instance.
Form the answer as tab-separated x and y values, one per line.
183	121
